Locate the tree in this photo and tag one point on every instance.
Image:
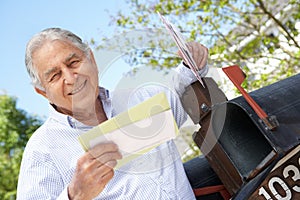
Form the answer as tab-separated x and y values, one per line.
260	36
16	126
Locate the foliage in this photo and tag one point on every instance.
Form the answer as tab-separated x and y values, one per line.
15	129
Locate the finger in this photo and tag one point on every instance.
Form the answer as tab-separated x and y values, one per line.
204	58
105	178
107	157
111	164
92	169
102	148
88	163
103	169
200	55
104	174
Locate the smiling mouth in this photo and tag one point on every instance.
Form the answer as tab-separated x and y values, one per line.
78	89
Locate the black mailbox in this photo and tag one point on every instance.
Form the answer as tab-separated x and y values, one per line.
238	146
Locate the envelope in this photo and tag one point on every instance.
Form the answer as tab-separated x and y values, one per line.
136	131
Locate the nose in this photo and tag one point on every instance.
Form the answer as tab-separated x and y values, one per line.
69	76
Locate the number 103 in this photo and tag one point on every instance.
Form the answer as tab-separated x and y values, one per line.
289	171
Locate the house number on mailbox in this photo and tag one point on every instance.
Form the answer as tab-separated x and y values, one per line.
290	171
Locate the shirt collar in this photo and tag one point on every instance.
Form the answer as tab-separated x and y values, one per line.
104	96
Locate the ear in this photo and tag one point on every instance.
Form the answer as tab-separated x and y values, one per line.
41	92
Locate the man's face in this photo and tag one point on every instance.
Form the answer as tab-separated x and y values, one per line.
69	77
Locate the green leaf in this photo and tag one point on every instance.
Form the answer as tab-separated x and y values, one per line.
16	128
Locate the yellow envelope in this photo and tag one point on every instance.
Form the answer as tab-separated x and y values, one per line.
136	131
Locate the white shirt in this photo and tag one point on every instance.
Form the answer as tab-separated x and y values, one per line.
50	156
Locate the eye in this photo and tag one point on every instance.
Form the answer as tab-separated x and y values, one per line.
74	63
54	77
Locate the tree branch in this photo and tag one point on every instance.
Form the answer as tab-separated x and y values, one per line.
226	41
262	6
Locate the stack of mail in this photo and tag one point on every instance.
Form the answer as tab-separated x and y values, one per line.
182	46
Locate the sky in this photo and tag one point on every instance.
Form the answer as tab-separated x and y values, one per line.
20	20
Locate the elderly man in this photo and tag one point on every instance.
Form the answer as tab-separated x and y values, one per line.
54	165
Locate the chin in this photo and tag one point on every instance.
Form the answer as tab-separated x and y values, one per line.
83	104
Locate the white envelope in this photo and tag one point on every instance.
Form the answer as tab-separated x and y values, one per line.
136	131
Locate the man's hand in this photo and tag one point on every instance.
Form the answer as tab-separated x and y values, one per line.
94	170
199	53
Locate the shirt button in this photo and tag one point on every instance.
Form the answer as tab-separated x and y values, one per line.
160	179
73	122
